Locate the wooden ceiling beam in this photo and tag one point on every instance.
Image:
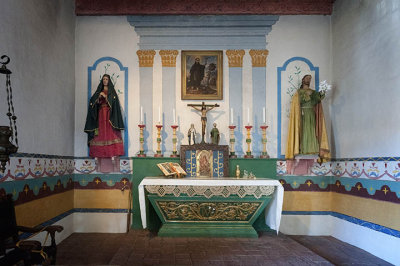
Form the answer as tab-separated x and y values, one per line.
202	7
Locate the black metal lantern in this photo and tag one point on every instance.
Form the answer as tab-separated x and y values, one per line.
7	147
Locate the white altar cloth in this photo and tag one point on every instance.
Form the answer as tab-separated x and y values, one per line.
273	211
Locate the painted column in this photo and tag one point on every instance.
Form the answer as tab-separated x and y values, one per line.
235	59
259	63
168	58
146	60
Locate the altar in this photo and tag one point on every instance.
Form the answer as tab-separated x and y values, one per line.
212	207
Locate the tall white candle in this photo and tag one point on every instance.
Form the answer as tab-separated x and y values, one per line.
173	114
141	114
264	115
231	116
159	115
248	115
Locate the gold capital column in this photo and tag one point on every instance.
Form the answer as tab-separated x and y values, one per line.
259	63
146	57
235	60
168	58
259	57
146	61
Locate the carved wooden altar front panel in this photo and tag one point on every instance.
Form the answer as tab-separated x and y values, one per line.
186	210
221	211
211	207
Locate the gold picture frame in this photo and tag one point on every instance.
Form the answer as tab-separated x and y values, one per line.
202	73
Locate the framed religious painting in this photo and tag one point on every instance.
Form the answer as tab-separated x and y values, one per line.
201	75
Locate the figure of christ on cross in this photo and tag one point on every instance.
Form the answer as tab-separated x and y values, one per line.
204	109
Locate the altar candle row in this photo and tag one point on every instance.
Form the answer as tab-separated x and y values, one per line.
174	115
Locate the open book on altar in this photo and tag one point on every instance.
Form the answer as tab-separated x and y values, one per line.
170	169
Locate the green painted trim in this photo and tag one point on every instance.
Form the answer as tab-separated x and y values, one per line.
259	167
186	230
35	184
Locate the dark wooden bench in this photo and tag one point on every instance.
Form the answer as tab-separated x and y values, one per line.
13	249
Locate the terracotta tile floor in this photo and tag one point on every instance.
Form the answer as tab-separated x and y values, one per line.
141	247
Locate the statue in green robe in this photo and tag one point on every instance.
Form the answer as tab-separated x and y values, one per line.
214	134
307	132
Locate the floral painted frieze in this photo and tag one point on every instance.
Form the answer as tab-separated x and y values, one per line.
374	170
88	166
36	166
19	168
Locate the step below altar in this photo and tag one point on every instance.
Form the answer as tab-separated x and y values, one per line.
211	207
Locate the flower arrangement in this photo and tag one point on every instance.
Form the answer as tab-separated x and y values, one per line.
324	87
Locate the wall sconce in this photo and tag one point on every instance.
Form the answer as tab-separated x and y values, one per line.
6	146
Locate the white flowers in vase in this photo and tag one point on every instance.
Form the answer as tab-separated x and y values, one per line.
324	87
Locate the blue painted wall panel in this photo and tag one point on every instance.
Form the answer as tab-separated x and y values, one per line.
146	100
259	102
168	104
235	102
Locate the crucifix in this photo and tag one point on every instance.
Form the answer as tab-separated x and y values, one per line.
204	109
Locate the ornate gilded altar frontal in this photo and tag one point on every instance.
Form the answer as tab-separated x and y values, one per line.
211	191
208	211
212	211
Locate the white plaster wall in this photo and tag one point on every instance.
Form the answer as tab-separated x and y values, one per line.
304	36
91	222
379	244
39	38
96	37
308	225
67	223
366	72
100	222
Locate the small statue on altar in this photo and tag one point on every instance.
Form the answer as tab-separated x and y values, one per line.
214	134
192	134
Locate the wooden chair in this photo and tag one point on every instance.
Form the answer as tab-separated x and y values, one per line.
13	250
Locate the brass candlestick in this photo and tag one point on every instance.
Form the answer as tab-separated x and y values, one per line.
232	141
248	141
264	153
174	141
141	139
158	152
